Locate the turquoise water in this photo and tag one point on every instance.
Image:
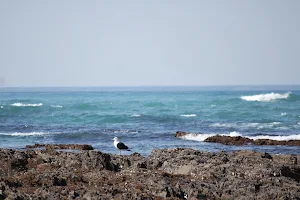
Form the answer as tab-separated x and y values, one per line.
147	118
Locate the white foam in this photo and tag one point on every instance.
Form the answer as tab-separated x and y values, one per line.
26	134
56	106
188	115
202	137
197	137
1	106
227	125
234	134
266	97
135	115
213	105
283	114
125	131
276	137
246	125
25	105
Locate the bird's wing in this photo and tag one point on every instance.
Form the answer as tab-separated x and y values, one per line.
121	145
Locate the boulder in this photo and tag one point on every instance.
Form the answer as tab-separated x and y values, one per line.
180	134
228	140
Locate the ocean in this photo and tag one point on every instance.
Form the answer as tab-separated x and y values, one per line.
145	118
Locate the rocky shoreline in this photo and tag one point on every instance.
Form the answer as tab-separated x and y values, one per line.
239	140
48	173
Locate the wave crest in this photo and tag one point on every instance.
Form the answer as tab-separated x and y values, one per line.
26	133
26	105
188	115
56	106
266	97
202	137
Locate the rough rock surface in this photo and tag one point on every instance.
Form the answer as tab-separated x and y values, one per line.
165	174
62	146
181	133
228	140
238	140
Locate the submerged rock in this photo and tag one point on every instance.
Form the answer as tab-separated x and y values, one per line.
167	173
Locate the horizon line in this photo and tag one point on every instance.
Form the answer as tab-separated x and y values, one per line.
154	86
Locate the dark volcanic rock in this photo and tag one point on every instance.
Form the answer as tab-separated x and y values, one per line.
180	134
166	173
276	142
228	140
62	146
238	140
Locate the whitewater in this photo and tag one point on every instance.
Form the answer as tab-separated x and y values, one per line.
148	118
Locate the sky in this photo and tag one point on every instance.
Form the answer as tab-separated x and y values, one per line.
149	43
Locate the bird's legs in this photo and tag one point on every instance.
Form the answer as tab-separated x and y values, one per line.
120	152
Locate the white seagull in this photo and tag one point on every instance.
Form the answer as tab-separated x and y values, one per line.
120	145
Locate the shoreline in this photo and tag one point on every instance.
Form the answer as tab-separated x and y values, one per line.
179	173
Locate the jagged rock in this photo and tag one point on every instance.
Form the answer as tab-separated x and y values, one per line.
238	140
180	134
62	146
276	142
266	155
228	140
167	173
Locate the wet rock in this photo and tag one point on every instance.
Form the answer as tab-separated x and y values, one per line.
238	140
276	142
228	140
180	133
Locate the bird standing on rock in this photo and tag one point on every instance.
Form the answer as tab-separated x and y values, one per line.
120	145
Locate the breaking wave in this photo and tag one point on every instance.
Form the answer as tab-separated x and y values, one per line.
202	137
188	115
56	106
276	137
266	97
26	134
247	125
135	115
26	105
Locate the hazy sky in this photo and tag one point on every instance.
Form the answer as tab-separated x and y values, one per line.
138	43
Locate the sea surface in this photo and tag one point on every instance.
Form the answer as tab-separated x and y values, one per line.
145	118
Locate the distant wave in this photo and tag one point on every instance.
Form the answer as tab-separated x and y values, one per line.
188	115
266	97
202	137
56	106
26	105
126	131
135	115
247	125
26	134
283	114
